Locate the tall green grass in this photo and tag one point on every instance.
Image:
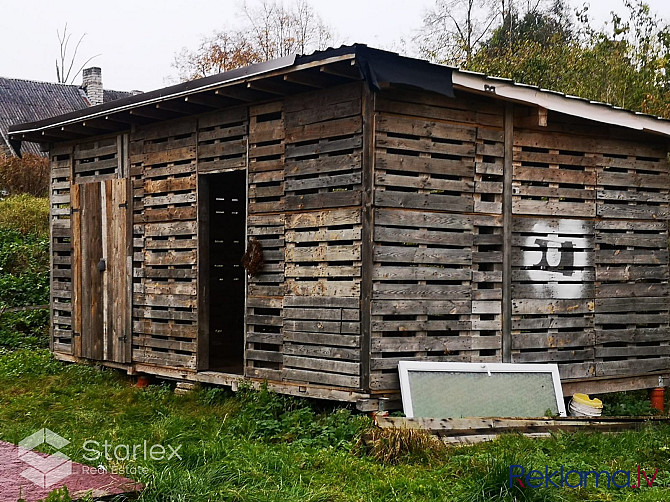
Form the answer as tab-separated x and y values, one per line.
258	446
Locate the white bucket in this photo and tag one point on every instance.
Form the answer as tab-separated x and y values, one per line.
583	410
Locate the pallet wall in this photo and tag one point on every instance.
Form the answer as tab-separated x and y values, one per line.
590	260
163	174
632	321
589	235
323	162
61	249
265	222
437	276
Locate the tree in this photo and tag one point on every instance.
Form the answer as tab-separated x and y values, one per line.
270	30
624	64
221	51
65	62
453	30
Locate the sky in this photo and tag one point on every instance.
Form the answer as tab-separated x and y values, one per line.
137	39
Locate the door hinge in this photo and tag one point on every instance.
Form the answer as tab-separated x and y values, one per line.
76	334
123	338
124	205
74	210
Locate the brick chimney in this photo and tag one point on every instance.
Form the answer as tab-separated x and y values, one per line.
92	85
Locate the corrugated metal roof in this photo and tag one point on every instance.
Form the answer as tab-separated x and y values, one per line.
476	82
556	93
564	103
28	101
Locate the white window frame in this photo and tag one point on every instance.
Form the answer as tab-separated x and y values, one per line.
404	367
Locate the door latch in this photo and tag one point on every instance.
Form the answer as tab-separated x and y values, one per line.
102	266
123	338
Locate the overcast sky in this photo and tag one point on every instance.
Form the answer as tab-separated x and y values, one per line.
137	39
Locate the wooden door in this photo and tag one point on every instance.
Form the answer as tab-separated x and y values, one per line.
101	235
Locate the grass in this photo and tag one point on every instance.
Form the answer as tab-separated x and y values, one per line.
258	446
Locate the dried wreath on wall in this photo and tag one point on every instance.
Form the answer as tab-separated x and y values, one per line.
253	261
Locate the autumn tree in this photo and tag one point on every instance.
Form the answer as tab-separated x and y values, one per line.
269	30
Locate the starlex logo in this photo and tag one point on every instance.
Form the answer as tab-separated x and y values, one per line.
44	471
561	478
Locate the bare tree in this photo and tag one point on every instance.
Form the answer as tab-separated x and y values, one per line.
65	62
453	29
270	30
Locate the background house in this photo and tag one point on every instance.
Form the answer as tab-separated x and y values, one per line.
28	100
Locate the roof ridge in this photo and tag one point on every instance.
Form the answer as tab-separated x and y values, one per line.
39	81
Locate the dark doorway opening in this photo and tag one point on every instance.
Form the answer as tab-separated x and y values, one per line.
223	233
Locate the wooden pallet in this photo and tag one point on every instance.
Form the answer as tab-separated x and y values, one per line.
322	341
265	292
320	240
476	430
98	160
222	140
324	148
437	272
553	175
163	164
61	249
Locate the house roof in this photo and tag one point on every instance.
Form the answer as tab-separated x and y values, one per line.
324	68
28	101
256	82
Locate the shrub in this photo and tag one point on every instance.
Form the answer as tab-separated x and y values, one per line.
29	175
24	271
25	214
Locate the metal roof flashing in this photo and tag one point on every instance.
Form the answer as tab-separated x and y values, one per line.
559	102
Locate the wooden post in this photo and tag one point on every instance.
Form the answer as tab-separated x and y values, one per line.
507	235
367	232
202	356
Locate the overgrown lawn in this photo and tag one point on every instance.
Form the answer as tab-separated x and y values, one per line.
260	446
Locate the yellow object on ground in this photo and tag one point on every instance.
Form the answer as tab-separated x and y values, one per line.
586	400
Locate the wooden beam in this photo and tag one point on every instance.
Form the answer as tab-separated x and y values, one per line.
345	69
153	113
105	125
268	86
82	130
308	79
121	118
202	351
536	118
60	135
507	234
211	100
242	94
185	108
367	234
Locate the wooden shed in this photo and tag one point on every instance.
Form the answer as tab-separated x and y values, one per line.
405	211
